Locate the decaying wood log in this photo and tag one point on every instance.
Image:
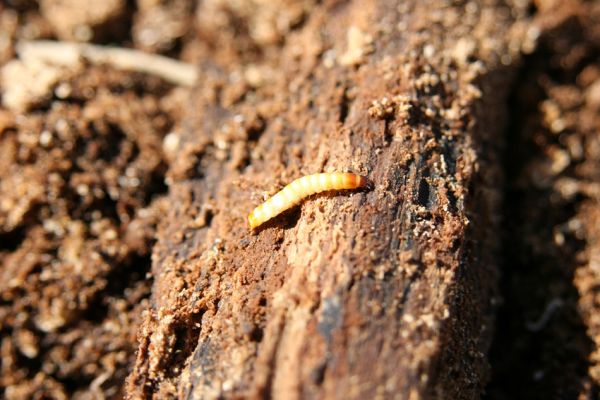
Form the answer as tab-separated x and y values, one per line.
386	293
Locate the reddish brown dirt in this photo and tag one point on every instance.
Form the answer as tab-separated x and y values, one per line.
82	177
89	182
76	219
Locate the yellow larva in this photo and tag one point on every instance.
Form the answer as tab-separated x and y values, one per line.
293	193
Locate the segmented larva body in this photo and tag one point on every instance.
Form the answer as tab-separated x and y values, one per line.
301	188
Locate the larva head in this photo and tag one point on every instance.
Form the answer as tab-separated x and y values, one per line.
360	181
356	181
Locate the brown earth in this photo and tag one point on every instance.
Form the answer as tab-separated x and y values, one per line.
548	331
124	249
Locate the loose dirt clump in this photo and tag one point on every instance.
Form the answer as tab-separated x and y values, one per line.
21	21
159	26
87	20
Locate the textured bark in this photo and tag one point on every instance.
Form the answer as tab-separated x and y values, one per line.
384	293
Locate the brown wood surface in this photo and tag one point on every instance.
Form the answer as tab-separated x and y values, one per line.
384	293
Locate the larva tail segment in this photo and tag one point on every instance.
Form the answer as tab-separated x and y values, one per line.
253	222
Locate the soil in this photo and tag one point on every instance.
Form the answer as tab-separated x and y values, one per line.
127	268
81	191
548	333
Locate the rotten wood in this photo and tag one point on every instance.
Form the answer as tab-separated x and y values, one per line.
384	293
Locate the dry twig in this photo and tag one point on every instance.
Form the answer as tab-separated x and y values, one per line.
69	53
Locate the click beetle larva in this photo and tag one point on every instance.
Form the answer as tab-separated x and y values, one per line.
301	188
